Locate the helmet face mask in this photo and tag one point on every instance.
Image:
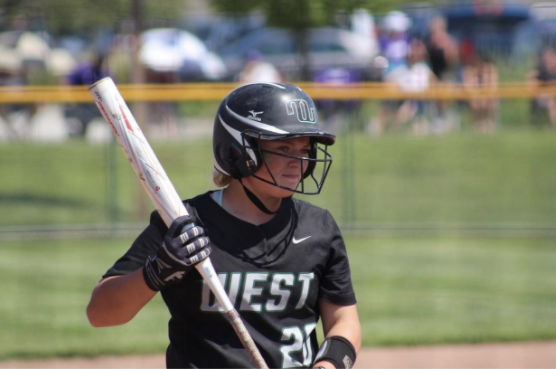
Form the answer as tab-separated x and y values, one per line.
269	112
313	169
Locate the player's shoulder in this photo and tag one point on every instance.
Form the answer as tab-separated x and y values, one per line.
313	218
305	207
198	200
202	203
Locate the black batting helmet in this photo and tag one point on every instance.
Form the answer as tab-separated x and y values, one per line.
267	111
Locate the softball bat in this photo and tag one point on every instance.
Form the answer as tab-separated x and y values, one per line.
161	192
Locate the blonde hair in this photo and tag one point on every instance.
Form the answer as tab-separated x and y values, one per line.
220	179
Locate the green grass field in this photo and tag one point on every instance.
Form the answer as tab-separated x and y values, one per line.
455	243
465	178
411	290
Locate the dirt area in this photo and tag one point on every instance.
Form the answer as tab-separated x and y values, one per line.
514	355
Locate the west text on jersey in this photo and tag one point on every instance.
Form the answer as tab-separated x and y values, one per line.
259	291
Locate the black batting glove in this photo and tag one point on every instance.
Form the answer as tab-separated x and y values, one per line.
184	245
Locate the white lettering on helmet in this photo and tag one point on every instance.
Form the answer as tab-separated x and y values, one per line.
301	108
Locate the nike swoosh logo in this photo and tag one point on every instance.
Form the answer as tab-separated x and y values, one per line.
296	241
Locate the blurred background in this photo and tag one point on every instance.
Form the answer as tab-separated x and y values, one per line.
443	181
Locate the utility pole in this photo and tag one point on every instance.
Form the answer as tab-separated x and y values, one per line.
137	11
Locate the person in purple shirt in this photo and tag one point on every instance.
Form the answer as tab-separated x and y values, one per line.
84	74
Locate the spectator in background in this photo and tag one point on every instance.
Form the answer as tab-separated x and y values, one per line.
163	115
85	74
257	70
14	71
336	114
443	51
544	106
479	72
416	77
394	39
11	75
394	49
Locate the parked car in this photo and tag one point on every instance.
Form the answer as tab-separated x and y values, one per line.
175	50
328	48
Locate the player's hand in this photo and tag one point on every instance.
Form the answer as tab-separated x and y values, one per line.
184	246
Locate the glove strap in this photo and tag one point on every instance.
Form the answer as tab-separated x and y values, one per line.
151	276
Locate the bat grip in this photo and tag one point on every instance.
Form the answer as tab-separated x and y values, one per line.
246	340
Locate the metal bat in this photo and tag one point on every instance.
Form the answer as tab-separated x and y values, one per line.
161	191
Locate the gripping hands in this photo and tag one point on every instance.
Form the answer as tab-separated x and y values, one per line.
184	246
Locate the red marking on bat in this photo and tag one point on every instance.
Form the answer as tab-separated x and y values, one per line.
157	188
125	119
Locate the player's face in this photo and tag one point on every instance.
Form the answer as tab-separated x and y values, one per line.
281	165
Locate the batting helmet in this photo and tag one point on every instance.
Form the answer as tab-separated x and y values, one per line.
268	111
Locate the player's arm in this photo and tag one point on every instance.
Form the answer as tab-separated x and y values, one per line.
340	324
117	299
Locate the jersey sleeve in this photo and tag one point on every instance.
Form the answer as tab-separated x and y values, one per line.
336	286
144	245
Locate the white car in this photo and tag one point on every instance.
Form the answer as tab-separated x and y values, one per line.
176	50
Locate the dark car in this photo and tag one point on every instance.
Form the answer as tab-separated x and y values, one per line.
495	27
328	48
491	26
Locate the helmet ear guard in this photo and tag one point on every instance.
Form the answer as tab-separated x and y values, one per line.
239	163
312	163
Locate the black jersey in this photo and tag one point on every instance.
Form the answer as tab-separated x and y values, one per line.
274	274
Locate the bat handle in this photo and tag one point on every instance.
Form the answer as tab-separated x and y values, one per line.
246	340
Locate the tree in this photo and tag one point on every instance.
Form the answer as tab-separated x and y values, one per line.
81	17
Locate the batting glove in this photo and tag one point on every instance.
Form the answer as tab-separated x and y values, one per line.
184	246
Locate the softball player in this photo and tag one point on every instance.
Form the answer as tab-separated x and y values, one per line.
282	261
